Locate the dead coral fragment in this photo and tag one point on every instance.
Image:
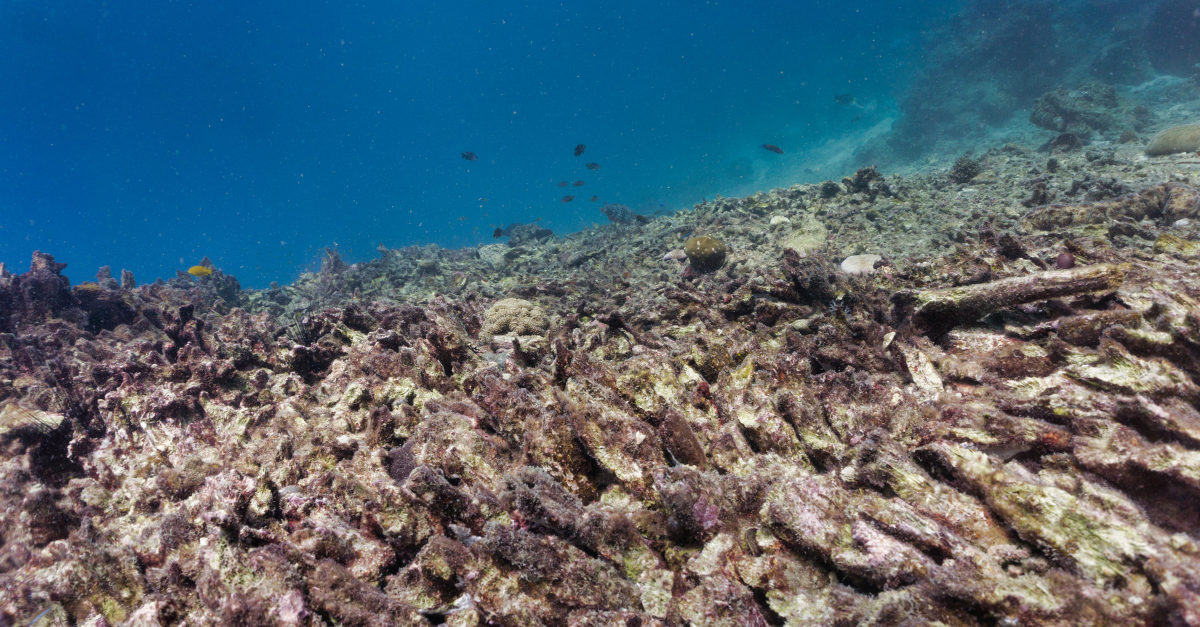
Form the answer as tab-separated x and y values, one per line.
565	575
1165	203
514	315
938	311
1184	138
867	181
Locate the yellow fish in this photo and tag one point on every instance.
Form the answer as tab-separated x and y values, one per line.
198	271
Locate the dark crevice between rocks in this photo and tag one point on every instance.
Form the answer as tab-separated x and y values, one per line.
405	553
324	615
822	560
447	366
981	615
938	554
939	471
818	460
49	452
600	476
1167	503
1142	419
773	618
750	440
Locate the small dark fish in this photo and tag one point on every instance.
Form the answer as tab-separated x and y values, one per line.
579	149
470	156
593	166
844	99
594	198
578	183
497	233
563	183
568	198
775	149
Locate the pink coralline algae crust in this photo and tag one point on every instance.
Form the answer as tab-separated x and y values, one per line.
975	438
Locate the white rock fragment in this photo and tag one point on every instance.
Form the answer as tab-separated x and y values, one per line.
675	255
924	374
776	220
887	339
291	609
1182	222
860	264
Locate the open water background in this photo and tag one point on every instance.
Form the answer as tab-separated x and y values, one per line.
148	134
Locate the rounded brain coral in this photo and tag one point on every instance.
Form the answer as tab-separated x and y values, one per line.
514	315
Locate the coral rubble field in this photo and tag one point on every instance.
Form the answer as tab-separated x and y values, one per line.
995	422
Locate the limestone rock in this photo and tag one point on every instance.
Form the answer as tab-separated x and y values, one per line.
860	264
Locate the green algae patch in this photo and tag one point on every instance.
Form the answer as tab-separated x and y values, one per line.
112	609
681	333
1167	243
638	559
744	374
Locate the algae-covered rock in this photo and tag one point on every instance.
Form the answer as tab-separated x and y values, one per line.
1167	243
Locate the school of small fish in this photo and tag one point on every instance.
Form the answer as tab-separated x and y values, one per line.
203	271
842	99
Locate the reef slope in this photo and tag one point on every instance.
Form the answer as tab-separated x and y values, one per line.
999	425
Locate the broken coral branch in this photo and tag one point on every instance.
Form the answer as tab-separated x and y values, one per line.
935	312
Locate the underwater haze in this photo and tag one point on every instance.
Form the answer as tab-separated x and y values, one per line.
147	135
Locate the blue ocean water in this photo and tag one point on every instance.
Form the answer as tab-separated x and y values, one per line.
146	135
